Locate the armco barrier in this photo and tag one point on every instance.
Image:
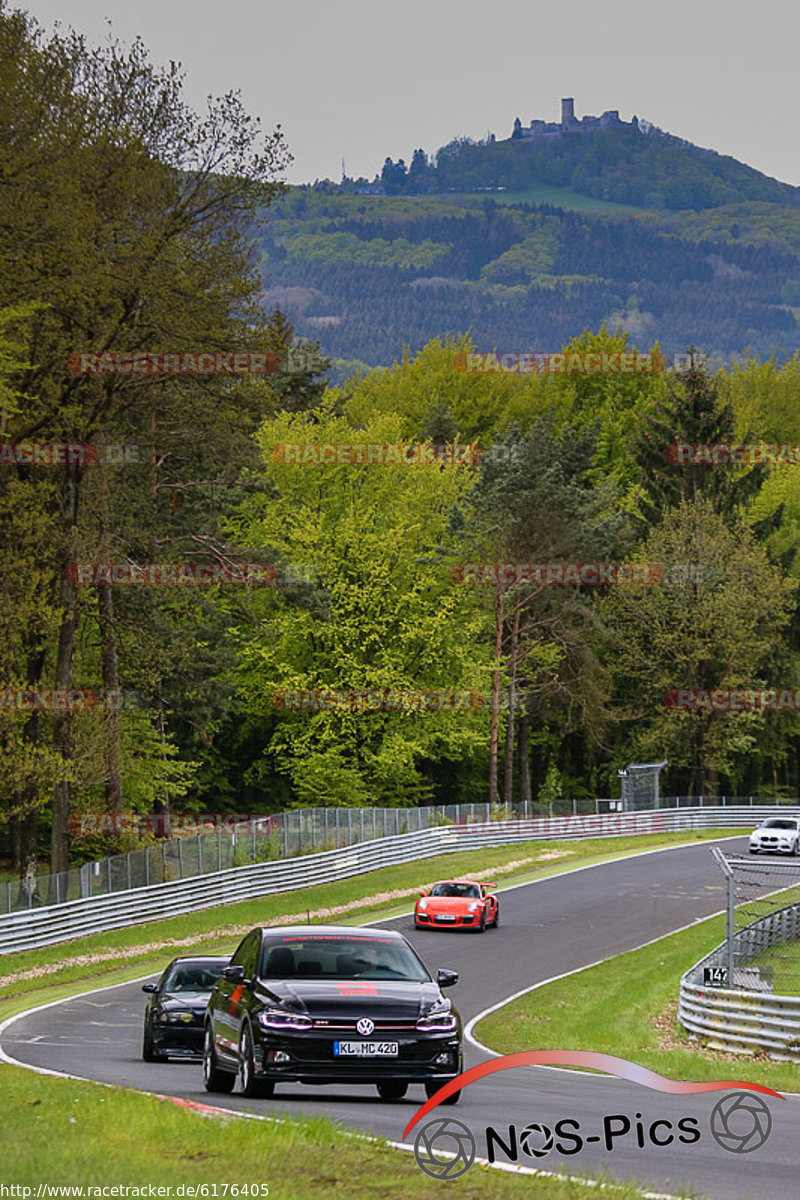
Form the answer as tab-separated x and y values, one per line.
743	1020
43	926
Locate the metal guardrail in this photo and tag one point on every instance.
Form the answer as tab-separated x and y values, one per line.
748	1017
28	929
236	842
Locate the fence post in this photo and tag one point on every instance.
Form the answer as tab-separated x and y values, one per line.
361	822
8	896
338	841
730	920
285	822
163	862
128	868
219	849
147	866
108	875
574	807
199	855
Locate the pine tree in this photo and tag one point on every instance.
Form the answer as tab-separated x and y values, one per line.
693	414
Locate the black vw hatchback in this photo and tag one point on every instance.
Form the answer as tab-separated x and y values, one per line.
330	1004
175	1014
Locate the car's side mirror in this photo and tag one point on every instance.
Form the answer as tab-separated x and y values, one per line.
488	885
446	978
233	974
149	987
423	891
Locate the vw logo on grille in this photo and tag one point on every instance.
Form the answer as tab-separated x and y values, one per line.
365	1026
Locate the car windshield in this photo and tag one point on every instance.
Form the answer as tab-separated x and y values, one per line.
193	977
469	891
331	958
780	823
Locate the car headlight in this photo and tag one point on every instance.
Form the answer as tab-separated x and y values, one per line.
176	1016
423	904
474	906
437	1022
279	1018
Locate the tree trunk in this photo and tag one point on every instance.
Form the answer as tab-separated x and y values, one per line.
27	847
161	814
110	670
524	761
508	791
29	853
108	660
498	647
62	724
15	834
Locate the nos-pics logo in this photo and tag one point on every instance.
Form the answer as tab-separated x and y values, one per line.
445	1148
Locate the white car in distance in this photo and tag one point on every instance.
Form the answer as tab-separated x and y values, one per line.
776	835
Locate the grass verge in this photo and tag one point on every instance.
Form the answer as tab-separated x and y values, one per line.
63	1132
628	1006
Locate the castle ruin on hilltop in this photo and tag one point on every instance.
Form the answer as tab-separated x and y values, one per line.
569	123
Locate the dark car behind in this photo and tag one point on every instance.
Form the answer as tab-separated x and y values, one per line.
175	1013
330	1004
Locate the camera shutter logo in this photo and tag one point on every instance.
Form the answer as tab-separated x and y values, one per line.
365	1027
741	1122
536	1140
445	1136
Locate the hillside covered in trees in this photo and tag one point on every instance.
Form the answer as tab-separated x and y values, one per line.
370	275
623	164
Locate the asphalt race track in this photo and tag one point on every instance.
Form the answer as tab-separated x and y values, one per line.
546	929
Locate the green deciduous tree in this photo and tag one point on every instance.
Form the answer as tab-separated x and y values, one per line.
712	628
380	612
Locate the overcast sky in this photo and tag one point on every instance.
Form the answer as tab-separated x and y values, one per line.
363	79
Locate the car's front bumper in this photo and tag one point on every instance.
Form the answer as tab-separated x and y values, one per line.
312	1060
438	921
772	846
178	1039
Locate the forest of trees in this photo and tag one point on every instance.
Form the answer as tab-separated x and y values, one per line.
379	273
154	245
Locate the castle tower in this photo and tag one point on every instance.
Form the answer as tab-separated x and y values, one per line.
567	112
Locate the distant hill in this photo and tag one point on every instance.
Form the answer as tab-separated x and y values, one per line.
615	226
621	165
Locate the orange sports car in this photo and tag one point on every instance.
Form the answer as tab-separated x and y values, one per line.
457	904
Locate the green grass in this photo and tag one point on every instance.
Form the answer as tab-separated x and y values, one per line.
628	1007
784	962
784	959
117	955
58	1131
